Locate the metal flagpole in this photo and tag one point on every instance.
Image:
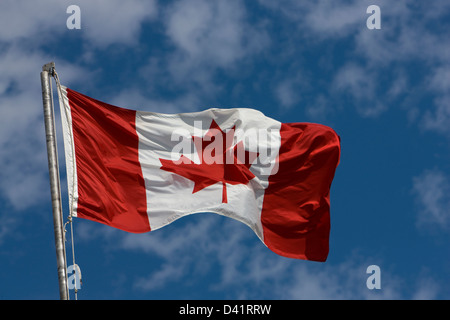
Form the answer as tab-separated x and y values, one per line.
55	188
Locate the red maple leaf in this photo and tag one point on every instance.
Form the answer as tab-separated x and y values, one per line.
219	161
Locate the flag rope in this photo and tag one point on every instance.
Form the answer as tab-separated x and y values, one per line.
70	221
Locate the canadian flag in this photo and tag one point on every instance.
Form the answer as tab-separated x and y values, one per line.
139	171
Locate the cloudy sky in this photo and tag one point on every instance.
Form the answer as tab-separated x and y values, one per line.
386	92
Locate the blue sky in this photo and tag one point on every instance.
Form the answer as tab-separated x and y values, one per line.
386	93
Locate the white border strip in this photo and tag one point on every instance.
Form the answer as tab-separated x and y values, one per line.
69	149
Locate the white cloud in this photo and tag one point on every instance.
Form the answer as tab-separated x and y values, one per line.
432	191
208	36
320	108
166	274
438	120
22	20
7	224
287	93
103	22
322	18
202	242
438	82
360	85
426	289
410	39
440	79
213	32
355	80
332	19
106	22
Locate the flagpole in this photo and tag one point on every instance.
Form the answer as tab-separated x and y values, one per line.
55	187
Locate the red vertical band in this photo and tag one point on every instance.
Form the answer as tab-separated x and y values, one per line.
111	187
296	209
